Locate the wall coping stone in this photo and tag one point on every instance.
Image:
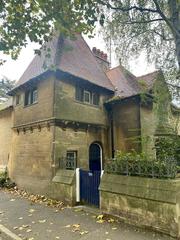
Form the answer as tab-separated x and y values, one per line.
64	176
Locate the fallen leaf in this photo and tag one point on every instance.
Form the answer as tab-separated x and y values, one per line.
83	232
12	200
25	226
31	210
100	217
78	210
111	220
76	225
114	228
100	221
42	221
67	226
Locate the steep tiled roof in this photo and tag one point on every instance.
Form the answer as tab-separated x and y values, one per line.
70	56
126	84
149	78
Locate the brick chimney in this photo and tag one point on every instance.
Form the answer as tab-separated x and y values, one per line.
101	57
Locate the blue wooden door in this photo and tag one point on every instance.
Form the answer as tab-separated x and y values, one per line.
89	184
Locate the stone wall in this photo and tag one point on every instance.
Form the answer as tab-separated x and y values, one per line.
43	109
148	128
145	202
68	108
5	136
79	140
63	186
31	159
126	120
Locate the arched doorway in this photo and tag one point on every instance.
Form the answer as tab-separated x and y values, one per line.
95	157
90	180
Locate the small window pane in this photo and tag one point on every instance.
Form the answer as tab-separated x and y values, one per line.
87	97
27	98
71	158
79	94
95	99
31	96
34	96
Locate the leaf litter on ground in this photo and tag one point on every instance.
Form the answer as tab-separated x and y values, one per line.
35	198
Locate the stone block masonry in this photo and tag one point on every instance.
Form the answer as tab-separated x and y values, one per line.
145	202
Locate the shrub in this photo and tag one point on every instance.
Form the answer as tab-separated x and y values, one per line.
138	164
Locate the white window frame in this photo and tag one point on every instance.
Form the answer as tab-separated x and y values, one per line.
87	92
34	93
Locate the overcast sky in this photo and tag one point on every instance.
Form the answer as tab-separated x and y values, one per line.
14	69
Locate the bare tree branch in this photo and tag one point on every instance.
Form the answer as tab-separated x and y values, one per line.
143	22
162	36
166	19
127	9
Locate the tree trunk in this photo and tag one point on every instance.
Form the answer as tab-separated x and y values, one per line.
174	7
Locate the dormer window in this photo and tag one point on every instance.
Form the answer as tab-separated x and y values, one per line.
31	96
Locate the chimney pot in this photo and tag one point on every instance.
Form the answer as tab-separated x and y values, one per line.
94	50
106	56
98	52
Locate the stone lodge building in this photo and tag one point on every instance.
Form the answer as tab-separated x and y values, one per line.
70	110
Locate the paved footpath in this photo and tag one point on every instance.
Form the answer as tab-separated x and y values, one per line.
33	221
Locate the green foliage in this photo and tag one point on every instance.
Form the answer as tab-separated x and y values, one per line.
37	20
5	86
148	27
139	164
5	180
168	146
134	26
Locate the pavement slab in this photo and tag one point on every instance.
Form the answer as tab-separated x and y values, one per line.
34	221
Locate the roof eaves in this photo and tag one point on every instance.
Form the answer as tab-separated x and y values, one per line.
32	80
119	99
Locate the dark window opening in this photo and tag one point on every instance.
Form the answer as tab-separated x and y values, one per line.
31	97
17	99
79	94
71	160
95	99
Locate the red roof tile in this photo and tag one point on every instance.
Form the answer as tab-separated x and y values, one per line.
71	56
126	84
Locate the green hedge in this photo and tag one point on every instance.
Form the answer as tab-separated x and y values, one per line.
138	164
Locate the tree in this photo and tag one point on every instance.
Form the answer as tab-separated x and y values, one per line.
5	86
134	25
151	26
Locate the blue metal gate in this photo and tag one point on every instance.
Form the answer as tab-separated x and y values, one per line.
89	184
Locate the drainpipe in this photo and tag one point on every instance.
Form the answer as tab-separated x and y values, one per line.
112	133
